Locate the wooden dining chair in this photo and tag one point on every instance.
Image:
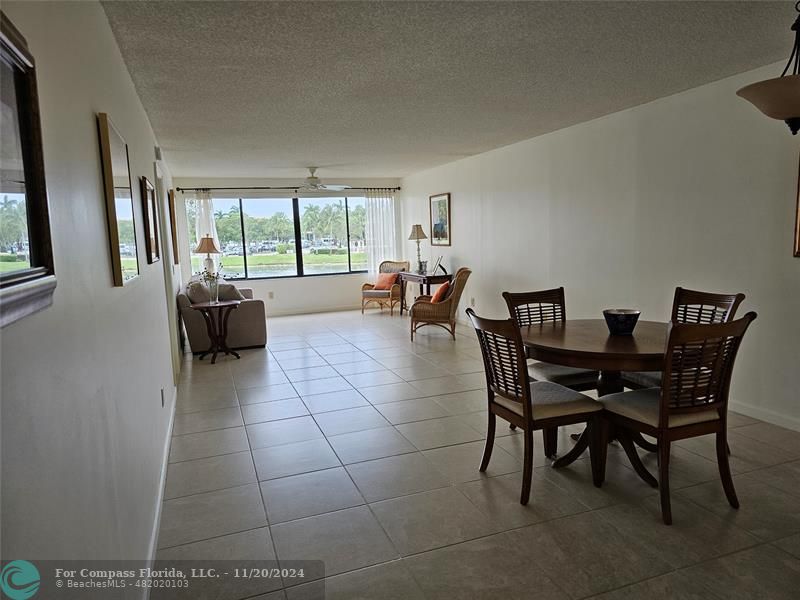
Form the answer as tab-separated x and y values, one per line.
537	308
689	306
530	405
692	401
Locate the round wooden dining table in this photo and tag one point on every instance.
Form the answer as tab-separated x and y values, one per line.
587	344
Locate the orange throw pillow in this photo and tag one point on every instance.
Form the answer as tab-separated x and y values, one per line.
439	294
385	281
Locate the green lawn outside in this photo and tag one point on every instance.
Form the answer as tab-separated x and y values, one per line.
7	267
286	261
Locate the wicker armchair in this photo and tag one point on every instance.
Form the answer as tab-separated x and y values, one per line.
443	314
384	297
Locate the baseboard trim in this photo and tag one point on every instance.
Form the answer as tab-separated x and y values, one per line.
765	414
310	311
151	553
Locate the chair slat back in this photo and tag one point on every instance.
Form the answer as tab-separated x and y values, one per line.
698	365
535	308
691	306
393	266
503	358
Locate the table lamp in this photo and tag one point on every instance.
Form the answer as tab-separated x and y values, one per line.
208	247
417	234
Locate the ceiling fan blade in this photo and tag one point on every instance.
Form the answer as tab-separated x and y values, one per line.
335	188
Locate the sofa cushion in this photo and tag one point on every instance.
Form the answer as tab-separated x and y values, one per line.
228	291
198	292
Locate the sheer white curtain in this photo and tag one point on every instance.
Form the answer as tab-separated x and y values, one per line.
204	223
381	242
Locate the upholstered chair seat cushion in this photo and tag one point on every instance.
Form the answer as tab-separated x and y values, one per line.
645	379
552	400
376	293
569	376
643	406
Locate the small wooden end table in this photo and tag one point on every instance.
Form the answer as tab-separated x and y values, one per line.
216	316
423	279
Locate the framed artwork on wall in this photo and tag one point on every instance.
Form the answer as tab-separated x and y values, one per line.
27	271
119	202
150	221
797	218
440	220
173	224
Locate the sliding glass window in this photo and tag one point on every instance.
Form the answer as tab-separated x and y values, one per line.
286	237
269	231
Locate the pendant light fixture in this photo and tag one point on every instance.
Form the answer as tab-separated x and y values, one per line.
779	98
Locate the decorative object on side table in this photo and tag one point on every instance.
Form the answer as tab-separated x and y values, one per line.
27	279
416	235
779	98
150	221
207	247
440	220
212	282
621	321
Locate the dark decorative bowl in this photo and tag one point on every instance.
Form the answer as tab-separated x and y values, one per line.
621	321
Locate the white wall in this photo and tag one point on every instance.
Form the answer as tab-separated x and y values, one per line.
292	295
697	189
83	430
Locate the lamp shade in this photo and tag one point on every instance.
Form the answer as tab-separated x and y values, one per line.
777	98
206	246
417	233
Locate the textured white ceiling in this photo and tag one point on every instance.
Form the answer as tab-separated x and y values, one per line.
384	89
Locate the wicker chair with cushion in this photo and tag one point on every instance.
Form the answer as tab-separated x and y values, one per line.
692	401
389	297
442	314
692	307
530	405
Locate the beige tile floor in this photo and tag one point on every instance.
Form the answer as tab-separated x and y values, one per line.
345	442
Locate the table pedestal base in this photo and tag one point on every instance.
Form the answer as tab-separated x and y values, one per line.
610	382
218	332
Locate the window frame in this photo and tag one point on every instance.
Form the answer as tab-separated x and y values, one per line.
30	290
298	244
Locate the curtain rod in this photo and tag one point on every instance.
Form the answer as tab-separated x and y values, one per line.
296	189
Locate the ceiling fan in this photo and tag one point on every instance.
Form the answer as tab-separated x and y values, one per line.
314	184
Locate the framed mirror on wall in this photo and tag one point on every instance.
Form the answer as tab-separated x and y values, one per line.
119	202
173	225
150	213
27	270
